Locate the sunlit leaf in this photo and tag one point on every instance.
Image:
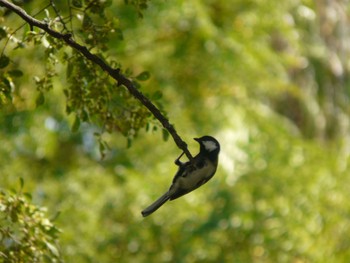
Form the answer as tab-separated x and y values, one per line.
53	249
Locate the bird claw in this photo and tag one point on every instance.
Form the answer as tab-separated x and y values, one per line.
177	161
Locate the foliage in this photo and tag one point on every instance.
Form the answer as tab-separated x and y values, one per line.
269	79
26	234
90	94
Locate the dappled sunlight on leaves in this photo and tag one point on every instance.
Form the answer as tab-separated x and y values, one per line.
268	79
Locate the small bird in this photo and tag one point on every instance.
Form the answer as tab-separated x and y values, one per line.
191	175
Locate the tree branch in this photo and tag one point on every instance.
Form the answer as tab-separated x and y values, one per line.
114	73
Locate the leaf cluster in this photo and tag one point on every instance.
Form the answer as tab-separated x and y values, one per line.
94	97
26	234
91	95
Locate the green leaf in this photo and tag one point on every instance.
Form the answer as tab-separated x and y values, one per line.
7	83
7	86
77	3
129	143
28	196
137	85
20	45
4	61
85	115
53	249
76	124
16	73
128	72
40	99
66	93
87	21
143	6
143	76
102	147
157	95
165	134
3	33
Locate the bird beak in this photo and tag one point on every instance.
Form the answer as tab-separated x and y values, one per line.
196	139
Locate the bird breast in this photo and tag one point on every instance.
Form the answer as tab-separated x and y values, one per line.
194	178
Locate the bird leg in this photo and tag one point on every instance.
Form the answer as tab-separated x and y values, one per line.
177	161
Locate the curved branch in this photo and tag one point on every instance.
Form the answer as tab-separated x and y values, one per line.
114	73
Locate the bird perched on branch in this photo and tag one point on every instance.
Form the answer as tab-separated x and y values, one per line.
191	175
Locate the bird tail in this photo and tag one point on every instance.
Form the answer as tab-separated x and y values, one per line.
158	203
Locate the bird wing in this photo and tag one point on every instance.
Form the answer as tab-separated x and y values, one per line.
189	178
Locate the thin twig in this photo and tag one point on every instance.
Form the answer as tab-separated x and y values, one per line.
14	32
114	73
58	15
71	16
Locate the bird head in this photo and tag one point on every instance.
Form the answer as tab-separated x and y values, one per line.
208	145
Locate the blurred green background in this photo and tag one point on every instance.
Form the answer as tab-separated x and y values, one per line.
268	79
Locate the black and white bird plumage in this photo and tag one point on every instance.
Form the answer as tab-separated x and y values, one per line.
190	176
